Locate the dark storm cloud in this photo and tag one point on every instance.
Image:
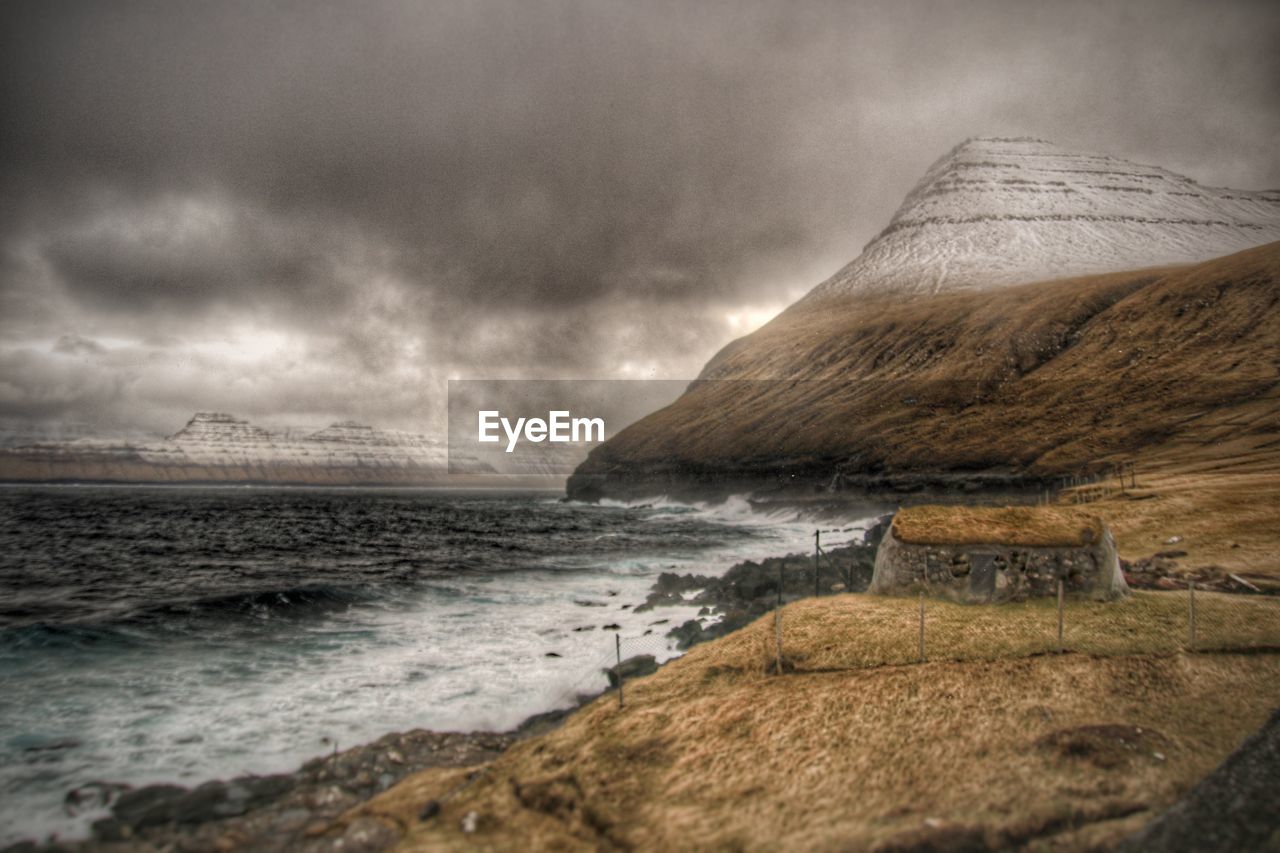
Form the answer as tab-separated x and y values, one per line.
406	190
181	255
525	153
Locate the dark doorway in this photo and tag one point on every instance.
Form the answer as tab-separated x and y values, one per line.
982	577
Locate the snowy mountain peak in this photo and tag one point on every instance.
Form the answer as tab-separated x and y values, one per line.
219	427
1001	211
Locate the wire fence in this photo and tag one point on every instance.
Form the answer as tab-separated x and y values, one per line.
857	631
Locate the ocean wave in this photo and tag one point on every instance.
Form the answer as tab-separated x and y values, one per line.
294	601
143	624
43	636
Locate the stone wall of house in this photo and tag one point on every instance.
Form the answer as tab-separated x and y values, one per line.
994	573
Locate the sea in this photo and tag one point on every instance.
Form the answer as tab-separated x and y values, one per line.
181	634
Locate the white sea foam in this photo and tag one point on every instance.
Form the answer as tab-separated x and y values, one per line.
468	652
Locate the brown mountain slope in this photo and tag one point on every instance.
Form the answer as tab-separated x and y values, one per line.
1007	388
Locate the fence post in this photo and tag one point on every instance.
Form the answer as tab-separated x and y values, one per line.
1061	596
921	627
617	643
817	589
1191	590
777	638
777	620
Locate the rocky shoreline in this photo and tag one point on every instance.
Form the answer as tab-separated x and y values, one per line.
299	810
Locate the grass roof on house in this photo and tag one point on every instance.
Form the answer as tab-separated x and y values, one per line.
1029	526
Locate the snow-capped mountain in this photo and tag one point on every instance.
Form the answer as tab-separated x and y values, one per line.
995	212
214	438
221	448
216	447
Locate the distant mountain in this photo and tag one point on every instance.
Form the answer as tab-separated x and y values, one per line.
995	212
220	448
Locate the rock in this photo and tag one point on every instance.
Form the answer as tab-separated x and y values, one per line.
470	821
687	634
429	810
147	806
288	811
368	833
291	820
660	599
632	667
92	796
1233	808
876	531
544	722
230	841
22	847
670	583
108	829
1169	555
1173	540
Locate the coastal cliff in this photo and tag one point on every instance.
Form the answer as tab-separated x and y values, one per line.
1000	389
989	352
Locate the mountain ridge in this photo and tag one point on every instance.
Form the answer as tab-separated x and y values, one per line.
997	211
216	447
969	390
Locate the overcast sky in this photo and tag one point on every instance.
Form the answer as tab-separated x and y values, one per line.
302	212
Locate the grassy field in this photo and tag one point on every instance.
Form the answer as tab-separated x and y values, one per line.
713	752
1218	494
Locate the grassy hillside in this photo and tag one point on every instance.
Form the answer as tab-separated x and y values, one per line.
713	752
1018	385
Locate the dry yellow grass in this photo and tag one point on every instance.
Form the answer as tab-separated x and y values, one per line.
712	752
990	525
862	631
1219	494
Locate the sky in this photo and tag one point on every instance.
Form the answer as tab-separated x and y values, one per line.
308	212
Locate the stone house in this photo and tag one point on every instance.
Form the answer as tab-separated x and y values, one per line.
994	554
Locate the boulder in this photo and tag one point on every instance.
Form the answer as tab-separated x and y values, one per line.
632	667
